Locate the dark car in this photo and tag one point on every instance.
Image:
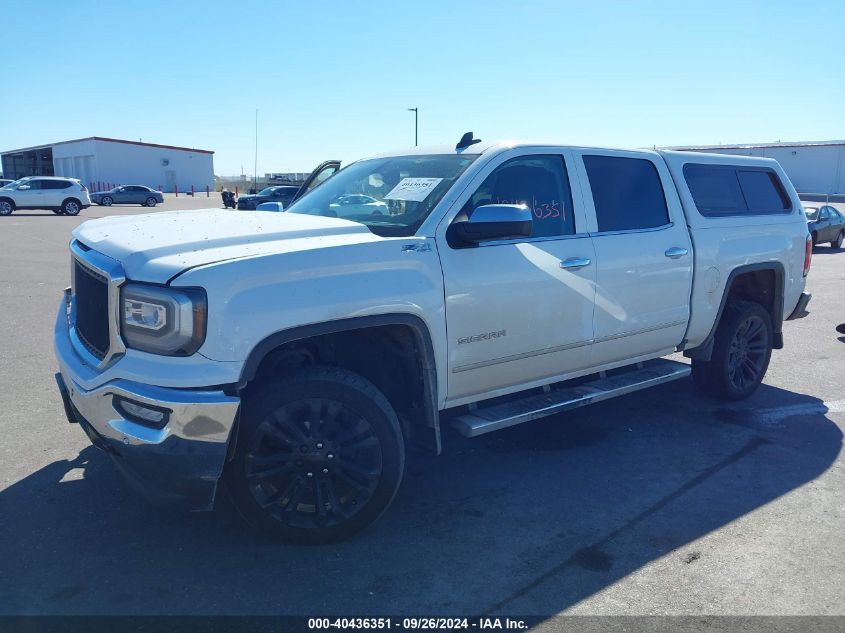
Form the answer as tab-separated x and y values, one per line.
826	224
128	194
283	193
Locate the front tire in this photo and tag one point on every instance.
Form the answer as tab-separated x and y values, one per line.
319	456
6	206
71	207
741	353
837	243
107	201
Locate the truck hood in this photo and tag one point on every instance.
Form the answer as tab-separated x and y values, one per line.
156	247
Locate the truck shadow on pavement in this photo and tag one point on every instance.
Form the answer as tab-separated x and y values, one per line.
530	520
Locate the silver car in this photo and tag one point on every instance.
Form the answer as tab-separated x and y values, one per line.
128	194
358	204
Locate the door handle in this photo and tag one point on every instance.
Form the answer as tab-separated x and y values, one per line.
676	252
574	263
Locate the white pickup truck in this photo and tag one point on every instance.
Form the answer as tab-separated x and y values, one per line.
293	356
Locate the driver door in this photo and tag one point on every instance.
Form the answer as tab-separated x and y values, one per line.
825	230
519	312
323	172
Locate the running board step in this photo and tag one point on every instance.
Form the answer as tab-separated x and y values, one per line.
486	419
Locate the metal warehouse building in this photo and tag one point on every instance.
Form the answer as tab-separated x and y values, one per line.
105	162
813	167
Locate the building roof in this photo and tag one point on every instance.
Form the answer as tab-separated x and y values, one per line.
110	140
758	145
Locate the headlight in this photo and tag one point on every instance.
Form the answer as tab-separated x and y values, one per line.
162	320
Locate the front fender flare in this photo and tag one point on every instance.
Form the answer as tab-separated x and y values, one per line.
428	361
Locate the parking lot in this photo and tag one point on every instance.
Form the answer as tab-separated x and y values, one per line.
660	502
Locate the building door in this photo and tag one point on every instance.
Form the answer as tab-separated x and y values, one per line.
170	180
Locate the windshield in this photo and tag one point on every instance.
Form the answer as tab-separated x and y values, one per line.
812	213
391	196
267	192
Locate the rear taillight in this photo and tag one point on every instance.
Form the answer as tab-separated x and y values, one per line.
808	254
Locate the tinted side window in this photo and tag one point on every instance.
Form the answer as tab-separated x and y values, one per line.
55	184
762	191
722	190
286	196
627	193
34	184
540	182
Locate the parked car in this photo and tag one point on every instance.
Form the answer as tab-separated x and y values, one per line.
4	182
352	204
63	196
128	194
292	356
282	193
826	224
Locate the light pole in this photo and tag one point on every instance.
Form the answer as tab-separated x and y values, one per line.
255	165
416	112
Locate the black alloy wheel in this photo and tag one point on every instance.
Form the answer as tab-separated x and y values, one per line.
320	455
747	353
741	352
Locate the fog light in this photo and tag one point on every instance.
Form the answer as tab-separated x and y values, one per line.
154	417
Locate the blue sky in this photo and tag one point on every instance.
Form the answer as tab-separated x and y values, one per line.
335	79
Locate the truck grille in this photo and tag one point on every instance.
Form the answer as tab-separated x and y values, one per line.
91	292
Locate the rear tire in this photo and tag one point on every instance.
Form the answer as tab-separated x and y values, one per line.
319	456
837	243
151	202
741	353
71	207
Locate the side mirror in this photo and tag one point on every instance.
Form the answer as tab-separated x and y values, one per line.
494	222
270	206
23	187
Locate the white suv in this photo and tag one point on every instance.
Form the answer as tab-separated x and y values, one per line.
63	196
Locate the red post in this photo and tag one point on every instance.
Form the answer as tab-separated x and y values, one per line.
192	191
207	195
176	190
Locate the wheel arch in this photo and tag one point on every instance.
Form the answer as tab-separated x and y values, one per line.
425	425
744	282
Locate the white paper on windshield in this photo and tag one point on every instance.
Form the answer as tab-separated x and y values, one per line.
413	189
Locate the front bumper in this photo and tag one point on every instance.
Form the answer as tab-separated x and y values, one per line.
179	464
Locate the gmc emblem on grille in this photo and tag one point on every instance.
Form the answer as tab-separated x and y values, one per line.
485	336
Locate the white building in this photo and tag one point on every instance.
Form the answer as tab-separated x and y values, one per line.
106	162
813	167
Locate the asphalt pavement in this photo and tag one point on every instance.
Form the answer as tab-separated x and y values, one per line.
660	502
